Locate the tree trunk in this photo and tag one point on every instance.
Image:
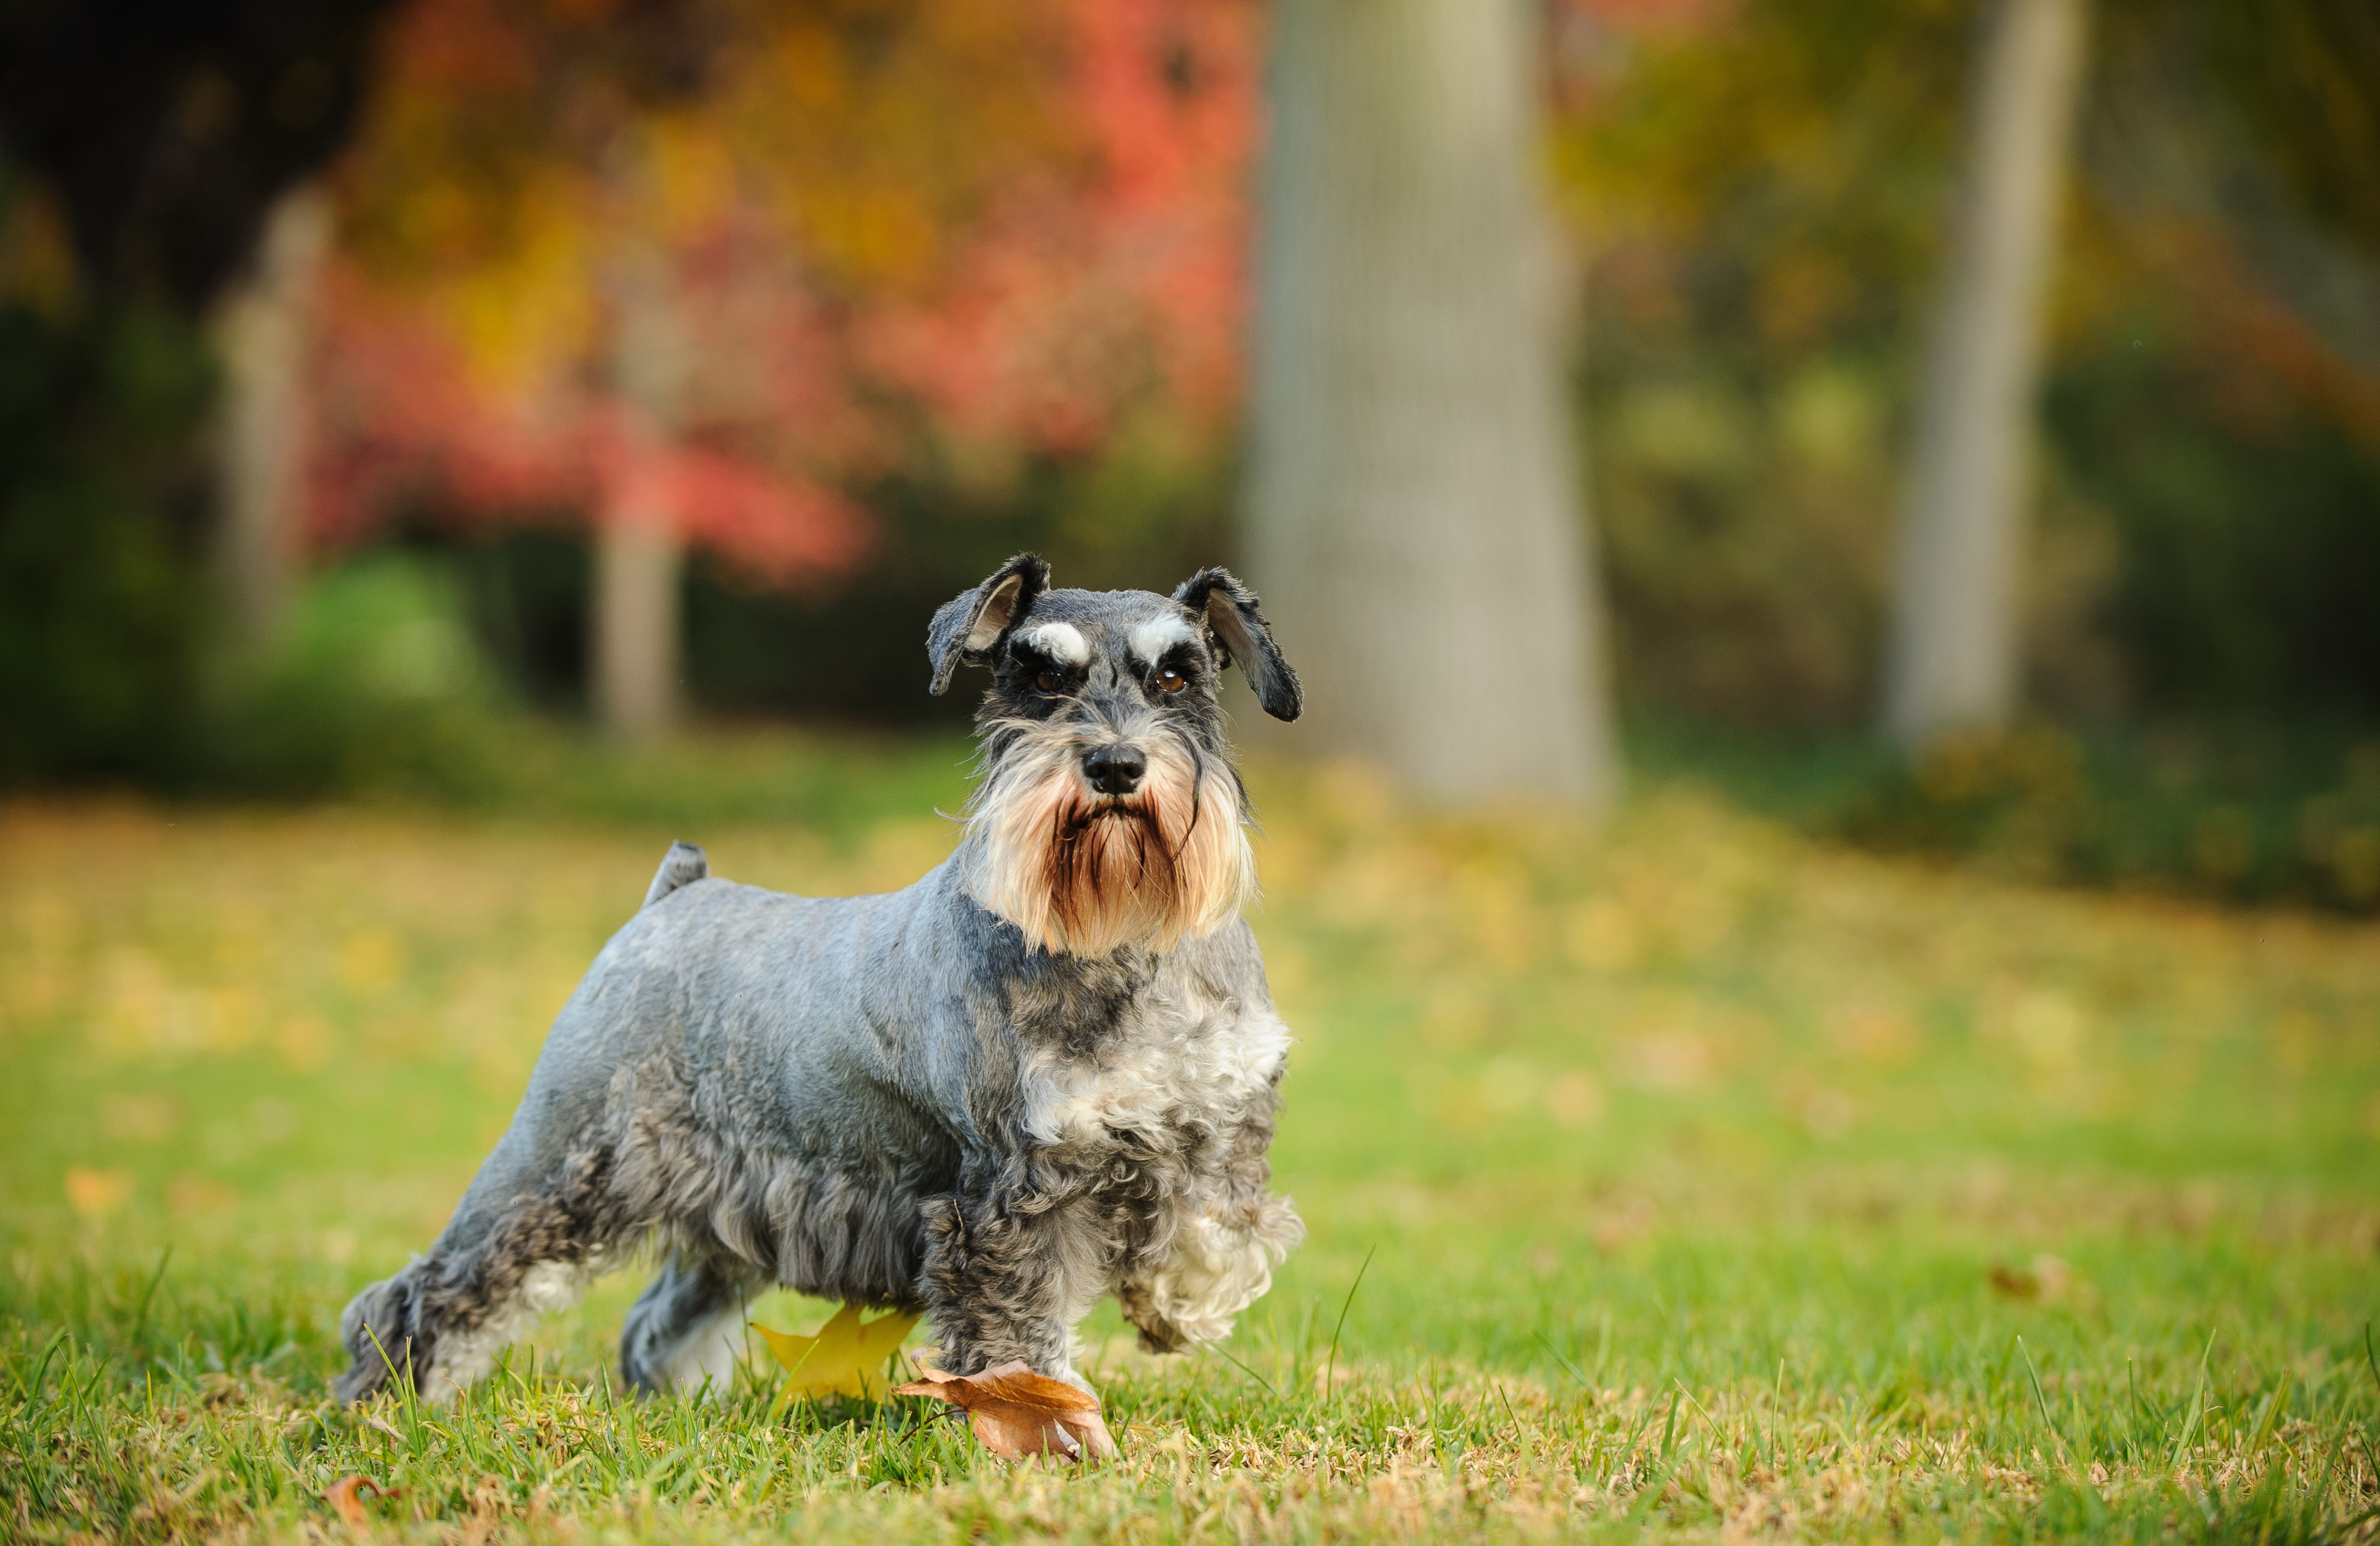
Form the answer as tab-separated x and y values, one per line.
265	330
640	554
637	565
1414	496
1954	658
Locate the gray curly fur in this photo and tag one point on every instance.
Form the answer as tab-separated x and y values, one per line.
839	1095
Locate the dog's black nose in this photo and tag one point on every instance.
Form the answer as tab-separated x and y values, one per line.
1114	770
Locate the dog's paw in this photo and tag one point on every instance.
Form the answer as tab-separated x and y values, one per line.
1221	1265
378	1331
1157	1333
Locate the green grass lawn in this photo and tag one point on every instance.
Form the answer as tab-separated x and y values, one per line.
1712	1182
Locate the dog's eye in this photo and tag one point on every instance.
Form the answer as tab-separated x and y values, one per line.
1047	681
1171	680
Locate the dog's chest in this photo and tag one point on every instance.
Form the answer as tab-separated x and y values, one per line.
1189	1059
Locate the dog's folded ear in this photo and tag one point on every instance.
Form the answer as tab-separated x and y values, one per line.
1240	633
971	623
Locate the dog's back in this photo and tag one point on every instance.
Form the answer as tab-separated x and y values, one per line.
763	1071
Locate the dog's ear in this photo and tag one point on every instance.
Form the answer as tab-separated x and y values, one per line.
971	623
1241	634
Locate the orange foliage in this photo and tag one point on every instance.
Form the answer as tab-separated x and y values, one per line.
881	224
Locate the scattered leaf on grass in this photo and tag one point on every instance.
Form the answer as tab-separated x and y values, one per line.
97	1193
2046	1280
342	1497
2014	1283
846	1357
1017	1412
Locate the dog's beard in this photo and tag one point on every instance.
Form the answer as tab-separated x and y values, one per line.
1085	874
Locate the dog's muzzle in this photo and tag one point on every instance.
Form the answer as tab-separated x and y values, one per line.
1090	847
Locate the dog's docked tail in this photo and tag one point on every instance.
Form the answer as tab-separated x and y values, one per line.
682	865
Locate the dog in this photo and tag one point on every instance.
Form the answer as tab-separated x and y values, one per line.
1046	1073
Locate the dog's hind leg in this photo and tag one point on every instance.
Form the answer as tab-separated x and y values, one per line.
686	1330
555	1204
508	1256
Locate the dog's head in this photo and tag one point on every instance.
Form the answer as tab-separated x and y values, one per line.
1108	813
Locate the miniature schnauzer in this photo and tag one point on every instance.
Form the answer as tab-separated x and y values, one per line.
1044	1073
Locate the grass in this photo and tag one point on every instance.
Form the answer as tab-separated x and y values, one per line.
2260	812
1701	1181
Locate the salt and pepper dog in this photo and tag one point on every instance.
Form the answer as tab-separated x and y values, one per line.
1045	1073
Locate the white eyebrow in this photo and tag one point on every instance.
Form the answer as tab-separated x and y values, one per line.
1060	641
1150	642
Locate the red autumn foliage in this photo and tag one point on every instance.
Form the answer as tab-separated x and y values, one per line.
882	228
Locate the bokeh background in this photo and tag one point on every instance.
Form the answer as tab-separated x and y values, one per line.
339	337
1835	547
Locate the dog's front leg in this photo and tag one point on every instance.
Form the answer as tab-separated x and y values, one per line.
1007	1276
1221	1262
1219	1258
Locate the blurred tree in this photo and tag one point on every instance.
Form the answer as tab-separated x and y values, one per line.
154	138
873	240
1412	496
1763	183
507	130
265	332
1759	186
99	594
639	553
2217	394
2307	75
167	129
1956	654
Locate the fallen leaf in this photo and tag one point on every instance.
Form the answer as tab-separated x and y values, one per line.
1017	1412
2015	1284
97	1193
846	1357
2046	1280
340	1496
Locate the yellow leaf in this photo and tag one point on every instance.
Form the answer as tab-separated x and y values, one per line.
846	1357
97	1193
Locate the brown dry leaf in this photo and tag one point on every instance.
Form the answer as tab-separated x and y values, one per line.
342	1497
846	1357
1017	1412
2013	1282
2046	1280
